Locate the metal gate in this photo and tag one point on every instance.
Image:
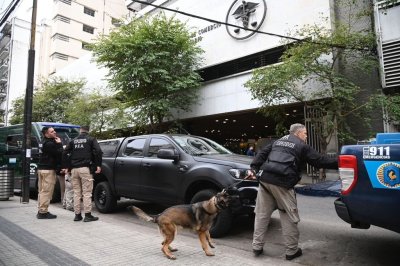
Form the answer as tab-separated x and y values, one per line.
314	123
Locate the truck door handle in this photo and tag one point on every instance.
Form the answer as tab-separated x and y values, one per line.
147	165
121	162
183	168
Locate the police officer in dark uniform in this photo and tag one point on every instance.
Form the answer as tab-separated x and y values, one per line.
84	158
279	167
49	160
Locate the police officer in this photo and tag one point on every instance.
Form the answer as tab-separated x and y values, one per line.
84	158
279	167
49	160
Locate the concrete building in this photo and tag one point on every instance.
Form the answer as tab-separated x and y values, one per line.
64	29
226	111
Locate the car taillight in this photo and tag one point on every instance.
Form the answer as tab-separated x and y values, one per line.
348	172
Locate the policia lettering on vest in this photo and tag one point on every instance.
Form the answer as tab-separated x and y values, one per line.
278	167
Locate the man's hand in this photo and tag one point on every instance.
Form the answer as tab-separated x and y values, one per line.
57	140
98	170
250	175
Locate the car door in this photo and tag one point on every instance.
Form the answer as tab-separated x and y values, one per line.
161	177
127	171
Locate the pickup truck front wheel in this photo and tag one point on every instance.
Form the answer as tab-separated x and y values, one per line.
104	199
223	221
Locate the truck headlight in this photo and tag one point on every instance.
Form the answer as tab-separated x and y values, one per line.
239	173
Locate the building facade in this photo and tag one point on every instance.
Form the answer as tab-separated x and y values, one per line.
64	30
226	111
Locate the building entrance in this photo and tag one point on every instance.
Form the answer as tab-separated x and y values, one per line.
237	131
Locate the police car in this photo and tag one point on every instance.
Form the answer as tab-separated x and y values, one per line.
370	177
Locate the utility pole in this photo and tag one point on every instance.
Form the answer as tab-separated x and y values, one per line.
26	144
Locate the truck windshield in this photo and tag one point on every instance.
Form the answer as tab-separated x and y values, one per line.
200	146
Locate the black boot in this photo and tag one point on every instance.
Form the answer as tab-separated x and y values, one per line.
45	215
298	253
90	218
78	217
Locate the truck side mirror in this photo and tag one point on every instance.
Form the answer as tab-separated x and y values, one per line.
170	154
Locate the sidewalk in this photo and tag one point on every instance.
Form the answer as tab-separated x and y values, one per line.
25	240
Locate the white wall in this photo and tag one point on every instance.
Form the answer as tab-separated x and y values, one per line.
282	17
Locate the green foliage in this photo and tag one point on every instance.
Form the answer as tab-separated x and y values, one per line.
313	72
391	105
100	112
151	63
50	101
17	116
60	100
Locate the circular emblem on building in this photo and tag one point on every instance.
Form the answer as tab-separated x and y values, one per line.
248	16
388	175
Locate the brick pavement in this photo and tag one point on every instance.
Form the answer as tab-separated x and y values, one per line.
25	240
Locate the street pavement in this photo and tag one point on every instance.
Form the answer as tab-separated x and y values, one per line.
26	240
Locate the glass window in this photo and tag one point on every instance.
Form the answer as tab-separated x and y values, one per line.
156	144
199	146
14	143
88	29
62	18
85	46
134	148
68	2
88	11
115	22
109	147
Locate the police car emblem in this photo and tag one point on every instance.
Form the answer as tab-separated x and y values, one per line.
246	15
388	175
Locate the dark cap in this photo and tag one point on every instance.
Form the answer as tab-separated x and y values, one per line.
85	128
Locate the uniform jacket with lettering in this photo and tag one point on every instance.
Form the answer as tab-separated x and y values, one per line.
50	156
83	151
281	161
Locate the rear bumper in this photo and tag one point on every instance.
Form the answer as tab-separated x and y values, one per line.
342	211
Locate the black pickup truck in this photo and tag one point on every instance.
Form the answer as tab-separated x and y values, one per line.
171	169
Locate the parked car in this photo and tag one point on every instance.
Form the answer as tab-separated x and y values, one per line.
11	138
173	169
370	176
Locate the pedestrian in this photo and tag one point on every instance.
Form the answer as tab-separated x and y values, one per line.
49	160
250	151
83	153
278	167
61	180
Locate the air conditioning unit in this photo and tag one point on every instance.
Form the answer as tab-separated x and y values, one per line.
387	22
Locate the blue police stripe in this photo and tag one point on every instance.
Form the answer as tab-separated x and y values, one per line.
378	174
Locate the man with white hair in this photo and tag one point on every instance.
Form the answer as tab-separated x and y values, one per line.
279	167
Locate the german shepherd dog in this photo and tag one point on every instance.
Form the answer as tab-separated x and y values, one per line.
198	217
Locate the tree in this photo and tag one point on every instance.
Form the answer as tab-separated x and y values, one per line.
152	64
313	72
60	100
99	111
50	101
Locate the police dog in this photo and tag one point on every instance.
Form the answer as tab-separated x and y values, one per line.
198	217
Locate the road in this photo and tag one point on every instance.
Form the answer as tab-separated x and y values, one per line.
324	237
